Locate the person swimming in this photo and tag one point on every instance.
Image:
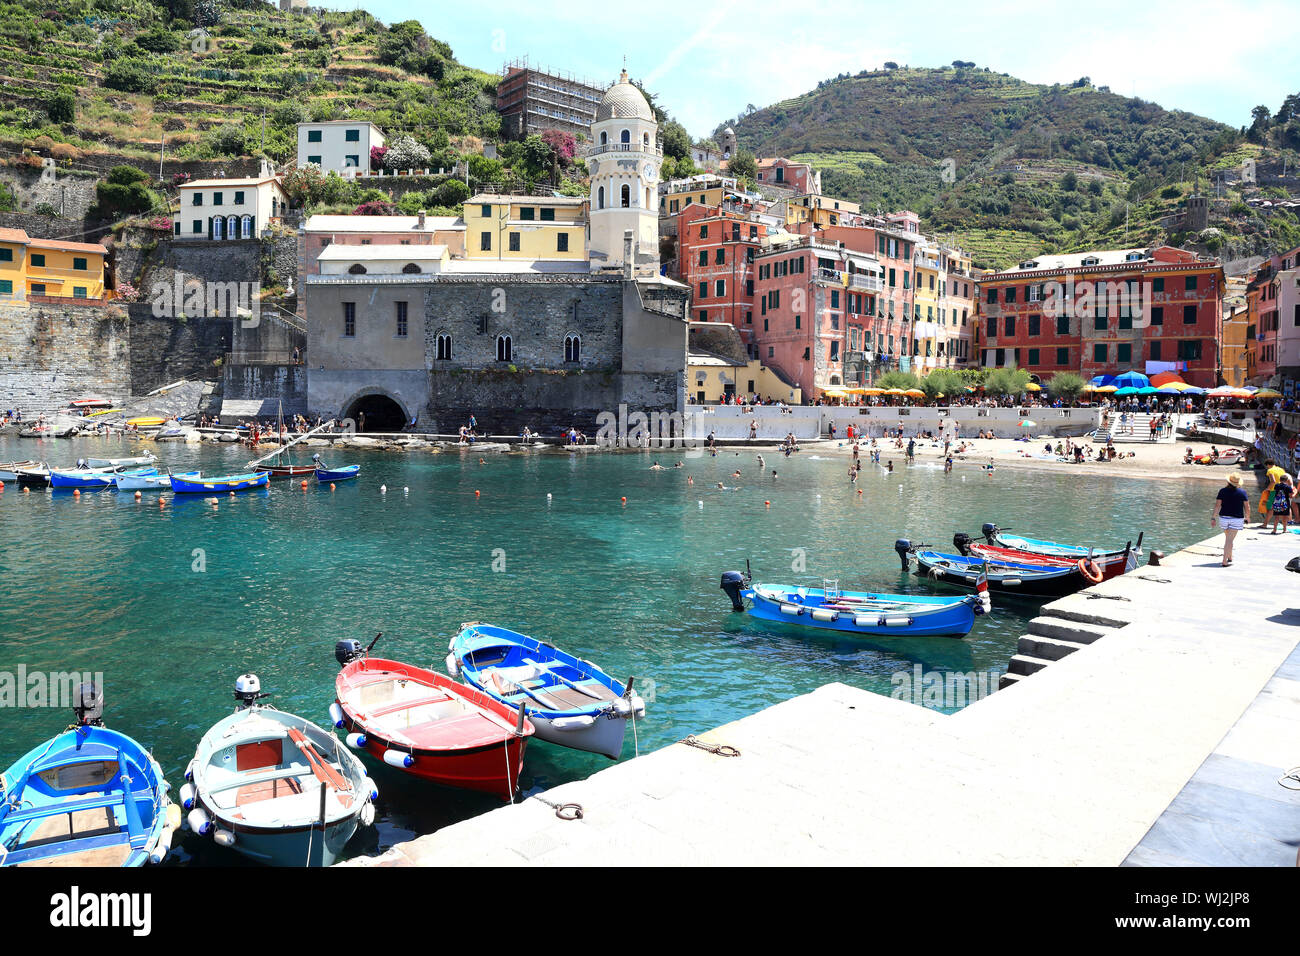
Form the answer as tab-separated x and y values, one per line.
656	467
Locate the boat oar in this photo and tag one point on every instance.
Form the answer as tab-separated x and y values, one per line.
510	687
562	679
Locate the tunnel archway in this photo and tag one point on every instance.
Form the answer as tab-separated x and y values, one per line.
376	412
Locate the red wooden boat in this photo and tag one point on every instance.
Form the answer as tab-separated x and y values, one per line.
287	471
1110	564
427	724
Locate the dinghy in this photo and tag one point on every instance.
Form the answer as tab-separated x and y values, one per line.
341	473
154	482
192	484
999	537
1031	580
426	724
89	797
1095	567
275	787
143	461
37	476
93	479
865	613
9	469
570	701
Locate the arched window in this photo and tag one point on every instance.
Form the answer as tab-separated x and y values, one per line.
600	198
604	138
645	139
625	136
572	348
647	197
218	228
503	348
357	269
627	195
246	227
411	268
232	227
444	347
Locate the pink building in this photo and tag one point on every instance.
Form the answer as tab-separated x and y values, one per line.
801	178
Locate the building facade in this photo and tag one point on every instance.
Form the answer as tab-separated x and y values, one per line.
715	260
531	100
525	228
226	209
338	146
51	268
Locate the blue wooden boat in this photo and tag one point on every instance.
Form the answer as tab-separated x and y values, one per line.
87	797
275	787
570	701
865	613
1036	580
155	482
198	485
93	479
342	473
999	537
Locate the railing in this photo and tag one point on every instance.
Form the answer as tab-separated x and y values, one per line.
597	149
868	282
269	357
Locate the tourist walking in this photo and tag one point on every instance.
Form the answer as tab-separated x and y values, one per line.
1283	491
1230	513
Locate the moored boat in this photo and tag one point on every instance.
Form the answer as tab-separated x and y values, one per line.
37	476
153	482
193	484
140	460
1094	567
341	473
865	613
275	787
426	724
288	471
93	479
570	701
89	797
9	469
1000	538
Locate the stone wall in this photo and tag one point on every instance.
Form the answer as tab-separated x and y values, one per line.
71	194
164	350
287	383
50	355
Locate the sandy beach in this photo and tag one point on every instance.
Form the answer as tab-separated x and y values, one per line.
1150	459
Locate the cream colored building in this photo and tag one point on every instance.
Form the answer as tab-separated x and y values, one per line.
340	146
223	209
623	164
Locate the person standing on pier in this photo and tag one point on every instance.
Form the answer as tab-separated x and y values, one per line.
1230	513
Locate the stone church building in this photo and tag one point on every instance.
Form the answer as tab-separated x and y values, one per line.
519	330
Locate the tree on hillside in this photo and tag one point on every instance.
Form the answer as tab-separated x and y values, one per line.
61	107
1070	182
743	165
406	153
676	141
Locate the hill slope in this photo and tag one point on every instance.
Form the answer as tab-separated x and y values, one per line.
1036	167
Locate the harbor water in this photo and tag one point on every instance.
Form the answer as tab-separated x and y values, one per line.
170	604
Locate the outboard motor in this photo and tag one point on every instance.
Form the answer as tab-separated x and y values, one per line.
248	690
989	529
89	705
733	582
904	548
961	541
348	650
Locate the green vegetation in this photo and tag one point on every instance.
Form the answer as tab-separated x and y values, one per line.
1006	381
1066	386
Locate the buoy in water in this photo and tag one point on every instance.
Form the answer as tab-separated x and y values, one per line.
304	486
383	489
406	490
477	493
768	504
701	504
76	492
860	490
624	499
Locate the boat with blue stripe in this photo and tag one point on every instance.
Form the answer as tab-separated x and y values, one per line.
999	537
326	474
570	701
89	797
93	479
198	485
867	613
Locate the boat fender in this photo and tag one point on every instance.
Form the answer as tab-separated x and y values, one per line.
357	741
896	620
395	758
980	608
576	722
187	796
1012	582
370	788
791	609
865	620
638	706
336	716
173	818
453	667
224	838
367	814
622	707
161	848
199	821
821	615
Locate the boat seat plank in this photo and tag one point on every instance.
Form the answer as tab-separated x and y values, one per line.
576	700
248	778
471	730
267	790
403	705
71	806
68	852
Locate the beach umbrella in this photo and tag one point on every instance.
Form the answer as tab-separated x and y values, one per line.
1131	380
914	393
1193	390
894	391
1104	388
1126	390
873	391
1033	387
1160	379
1102	380
1028	424
1172	388
1268	393
1148	390
1223	391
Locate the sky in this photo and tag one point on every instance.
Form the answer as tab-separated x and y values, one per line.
706	61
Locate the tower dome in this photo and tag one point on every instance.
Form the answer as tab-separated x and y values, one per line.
623	101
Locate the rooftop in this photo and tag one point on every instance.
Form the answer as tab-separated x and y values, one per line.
347	253
324	223
496	199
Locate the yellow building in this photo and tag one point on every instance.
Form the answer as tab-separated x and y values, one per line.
676	195
712	379
49	267
821	211
525	227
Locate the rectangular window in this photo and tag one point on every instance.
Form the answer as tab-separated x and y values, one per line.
1011	325
79	292
352	136
749	318
891	280
401	319
798	321
1062	325
548	215
7	255
198	199
239	197
719	256
79	264
485	241
217	198
1125	321
1155	350
1190	284
1189	315
198	227
1099	322
704	232
835	351
1157	315
7	287
1033	357
349	319
1123	353
485	212
704	290
835	298
1189	350
38	258
1063	357
514	242
352	159
562	242
1158	285
526	212
311	161
749	287
991	296
313	135
1011	294
720	288
38	288
1099	353
176	227
1035	324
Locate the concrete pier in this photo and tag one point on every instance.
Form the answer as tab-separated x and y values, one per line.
1072	766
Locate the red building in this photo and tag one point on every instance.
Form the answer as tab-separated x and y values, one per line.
715	257
1105	312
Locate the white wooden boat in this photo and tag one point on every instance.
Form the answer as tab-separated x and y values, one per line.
145	459
154	482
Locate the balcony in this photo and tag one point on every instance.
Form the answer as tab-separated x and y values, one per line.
598	149
870	283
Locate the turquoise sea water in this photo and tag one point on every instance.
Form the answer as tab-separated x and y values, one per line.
172	604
